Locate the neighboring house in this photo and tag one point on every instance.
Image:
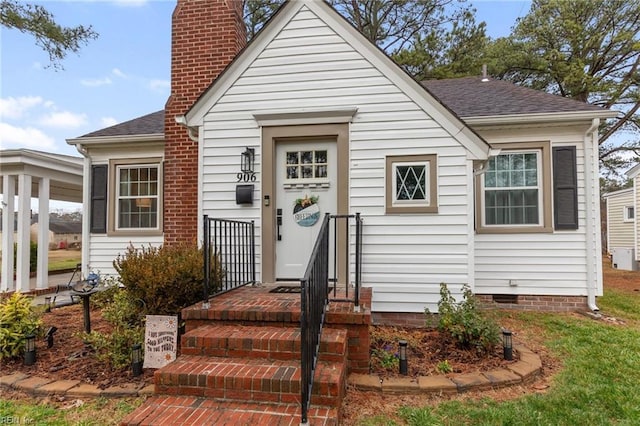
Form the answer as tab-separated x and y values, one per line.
623	226
62	234
465	181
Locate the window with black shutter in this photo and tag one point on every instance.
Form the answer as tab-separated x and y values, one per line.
98	206
565	188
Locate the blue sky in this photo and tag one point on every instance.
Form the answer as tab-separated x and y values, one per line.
122	75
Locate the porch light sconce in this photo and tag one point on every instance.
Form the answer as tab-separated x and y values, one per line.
49	336
47	303
402	349
247	160
136	359
30	349
507	345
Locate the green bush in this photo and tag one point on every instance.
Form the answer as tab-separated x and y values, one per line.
33	256
464	322
17	319
124	314
165	279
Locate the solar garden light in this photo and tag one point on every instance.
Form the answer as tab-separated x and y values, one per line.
136	359
49	336
507	345
30	349
47	303
403	357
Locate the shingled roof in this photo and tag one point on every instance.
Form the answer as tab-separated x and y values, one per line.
149	124
472	97
467	97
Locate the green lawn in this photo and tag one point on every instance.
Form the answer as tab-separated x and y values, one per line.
598	385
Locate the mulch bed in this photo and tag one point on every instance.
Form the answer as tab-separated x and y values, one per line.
70	358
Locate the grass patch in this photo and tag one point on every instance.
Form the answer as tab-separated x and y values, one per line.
99	411
63	259
599	385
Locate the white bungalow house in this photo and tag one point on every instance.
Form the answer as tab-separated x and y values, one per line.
464	181
623	227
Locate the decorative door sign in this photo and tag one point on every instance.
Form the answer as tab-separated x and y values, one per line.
306	211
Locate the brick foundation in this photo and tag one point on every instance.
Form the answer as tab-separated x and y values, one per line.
537	303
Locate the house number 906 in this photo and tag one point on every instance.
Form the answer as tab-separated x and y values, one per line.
246	177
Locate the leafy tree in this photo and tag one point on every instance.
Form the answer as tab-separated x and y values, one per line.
588	50
53	38
257	13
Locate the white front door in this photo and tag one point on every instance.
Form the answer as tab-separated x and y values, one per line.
306	189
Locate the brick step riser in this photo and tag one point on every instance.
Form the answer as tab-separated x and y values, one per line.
192	324
327	391
281	356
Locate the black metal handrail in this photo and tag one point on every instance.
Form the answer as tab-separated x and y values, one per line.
357	281
229	255
314	289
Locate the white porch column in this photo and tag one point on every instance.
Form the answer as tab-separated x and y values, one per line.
24	221
8	209
42	280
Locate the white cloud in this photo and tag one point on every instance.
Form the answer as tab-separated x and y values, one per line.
130	3
23	137
64	119
108	121
118	73
159	85
96	82
15	107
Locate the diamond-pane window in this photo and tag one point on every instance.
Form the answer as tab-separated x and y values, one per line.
411	184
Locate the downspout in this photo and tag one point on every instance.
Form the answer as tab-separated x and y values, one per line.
86	196
592	193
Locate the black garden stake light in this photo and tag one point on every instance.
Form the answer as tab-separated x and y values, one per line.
247	160
47	303
403	357
49	336
507	345
136	359
30	349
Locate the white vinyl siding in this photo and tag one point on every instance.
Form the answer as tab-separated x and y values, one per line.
104	249
308	66
536	263
620	232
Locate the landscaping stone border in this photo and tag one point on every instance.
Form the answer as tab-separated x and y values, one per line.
40	386
527	368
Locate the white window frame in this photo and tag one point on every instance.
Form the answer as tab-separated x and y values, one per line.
538	187
113	218
395	202
628	213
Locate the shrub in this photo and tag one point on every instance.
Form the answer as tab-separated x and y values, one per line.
17	319
115	347
165	279
464	322
33	256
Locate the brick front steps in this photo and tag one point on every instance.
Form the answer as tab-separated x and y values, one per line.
240	363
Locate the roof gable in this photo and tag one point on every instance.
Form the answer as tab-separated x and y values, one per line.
446	118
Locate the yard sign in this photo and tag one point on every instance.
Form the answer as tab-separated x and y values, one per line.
161	338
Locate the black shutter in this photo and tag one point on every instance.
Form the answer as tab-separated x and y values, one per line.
565	188
98	207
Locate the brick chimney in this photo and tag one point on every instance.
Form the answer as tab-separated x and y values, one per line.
205	37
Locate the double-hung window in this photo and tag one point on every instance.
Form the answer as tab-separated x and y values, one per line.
514	192
411	184
137	197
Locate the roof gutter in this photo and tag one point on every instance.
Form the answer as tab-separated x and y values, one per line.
101	140
592	228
